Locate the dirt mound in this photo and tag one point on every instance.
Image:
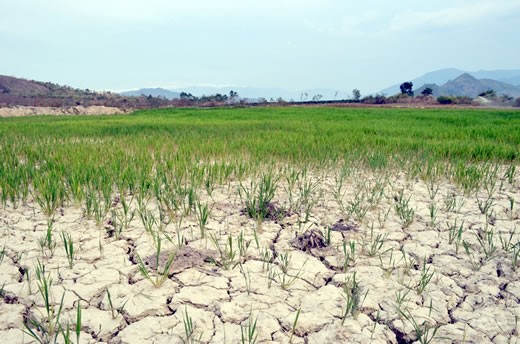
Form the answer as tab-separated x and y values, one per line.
19	111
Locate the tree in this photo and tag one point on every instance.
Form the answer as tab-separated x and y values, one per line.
356	94
406	88
444	100
488	93
233	94
317	98
427	91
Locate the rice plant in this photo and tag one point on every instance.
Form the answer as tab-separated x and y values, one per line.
161	275
295	323
403	209
45	327
189	329
257	196
425	278
68	243
424	332
46	242
202	217
249	332
2	254
349	253
354	297
113	310
227	252
373	243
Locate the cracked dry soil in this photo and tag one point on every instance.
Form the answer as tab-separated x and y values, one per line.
408	280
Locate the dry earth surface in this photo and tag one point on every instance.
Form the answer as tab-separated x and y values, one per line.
388	276
19	111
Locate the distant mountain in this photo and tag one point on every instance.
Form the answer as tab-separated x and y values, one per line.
243	92
442	76
437	77
467	85
511	76
268	93
23	92
154	92
19	87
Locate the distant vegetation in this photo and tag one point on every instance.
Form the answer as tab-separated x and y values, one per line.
16	92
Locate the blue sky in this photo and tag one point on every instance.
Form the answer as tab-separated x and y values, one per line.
296	45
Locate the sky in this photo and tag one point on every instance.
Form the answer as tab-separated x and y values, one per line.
291	44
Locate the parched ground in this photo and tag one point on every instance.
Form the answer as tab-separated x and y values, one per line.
19	111
379	260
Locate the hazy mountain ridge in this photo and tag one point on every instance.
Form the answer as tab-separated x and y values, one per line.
154	92
468	85
444	76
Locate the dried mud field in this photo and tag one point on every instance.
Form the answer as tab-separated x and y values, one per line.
338	256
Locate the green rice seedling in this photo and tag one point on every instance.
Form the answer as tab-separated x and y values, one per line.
69	248
425	278
409	262
3	252
433	185
510	211
259	195
291	178
49	192
401	297
47	241
189	329
295	323
243	245
27	276
485	205
376	321
161	275
45	328
433	214
353	297
226	252
358	207
349	253
148	219
373	244
453	203
403	209
78	321
474	261
468	176
486	240
115	311
490	179
390	264
307	196
202	217
247	277
424	332
515	256
507	241
510	174
125	215
267	259
455	234
248	332
75	188
283	277
382	216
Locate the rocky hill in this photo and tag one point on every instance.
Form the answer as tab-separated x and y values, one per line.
467	85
